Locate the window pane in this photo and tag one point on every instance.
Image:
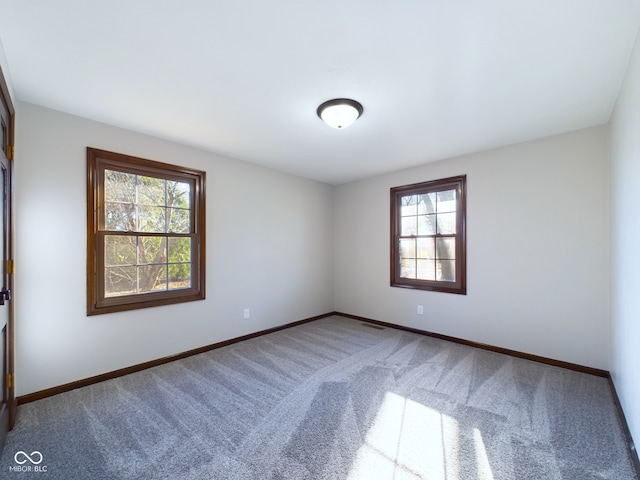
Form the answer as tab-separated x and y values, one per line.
152	250
151	219
446	270
119	281
179	221
179	276
407	248
120	216
409	226
119	186
447	201
426	225
119	250
427	203
152	278
446	248
426	270
408	205
446	223
151	191
426	248
408	268
178	194
179	250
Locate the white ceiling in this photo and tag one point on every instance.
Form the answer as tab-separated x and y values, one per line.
243	78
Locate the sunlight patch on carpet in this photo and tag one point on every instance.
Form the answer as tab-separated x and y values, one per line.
408	441
482	460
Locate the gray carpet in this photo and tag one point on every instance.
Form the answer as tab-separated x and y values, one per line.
331	399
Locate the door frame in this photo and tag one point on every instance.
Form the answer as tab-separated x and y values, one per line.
8	380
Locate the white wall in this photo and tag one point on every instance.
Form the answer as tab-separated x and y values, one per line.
537	250
625	243
269	238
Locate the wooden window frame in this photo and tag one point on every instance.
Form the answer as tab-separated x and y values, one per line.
459	286
97	162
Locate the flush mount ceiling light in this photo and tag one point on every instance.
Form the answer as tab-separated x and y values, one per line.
340	112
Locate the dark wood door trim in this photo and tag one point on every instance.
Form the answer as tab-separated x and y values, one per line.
8	152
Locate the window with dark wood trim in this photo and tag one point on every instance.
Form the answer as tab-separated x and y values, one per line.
428	235
145	233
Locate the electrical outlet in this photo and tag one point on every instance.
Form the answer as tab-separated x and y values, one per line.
247	313
420	310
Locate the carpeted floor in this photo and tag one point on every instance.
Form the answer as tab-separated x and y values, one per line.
331	399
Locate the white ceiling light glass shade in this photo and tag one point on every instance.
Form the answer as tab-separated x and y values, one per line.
340	112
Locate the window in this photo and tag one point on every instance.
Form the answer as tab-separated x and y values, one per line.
145	233
428	240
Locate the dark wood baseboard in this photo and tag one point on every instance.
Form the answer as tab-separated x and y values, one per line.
31	397
625	427
491	348
49	392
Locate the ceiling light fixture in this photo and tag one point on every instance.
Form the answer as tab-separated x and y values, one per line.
340	112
